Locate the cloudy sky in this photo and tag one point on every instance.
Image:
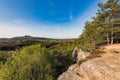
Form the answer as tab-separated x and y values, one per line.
45	18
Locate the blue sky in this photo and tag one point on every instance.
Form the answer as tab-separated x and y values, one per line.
45	18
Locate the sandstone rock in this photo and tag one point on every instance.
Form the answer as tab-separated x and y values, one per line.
106	67
79	54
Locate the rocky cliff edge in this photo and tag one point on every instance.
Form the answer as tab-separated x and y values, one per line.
106	67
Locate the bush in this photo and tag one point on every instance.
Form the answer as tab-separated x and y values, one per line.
35	63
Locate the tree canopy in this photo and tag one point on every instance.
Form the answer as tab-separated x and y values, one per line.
104	27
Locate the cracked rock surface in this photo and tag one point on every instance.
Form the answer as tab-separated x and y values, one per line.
106	67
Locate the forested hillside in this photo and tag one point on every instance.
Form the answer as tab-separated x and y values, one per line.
43	61
11	44
104	27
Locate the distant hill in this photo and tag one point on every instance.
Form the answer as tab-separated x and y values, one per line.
8	44
31	38
4	39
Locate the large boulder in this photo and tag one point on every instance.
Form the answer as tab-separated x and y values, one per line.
79	54
106	67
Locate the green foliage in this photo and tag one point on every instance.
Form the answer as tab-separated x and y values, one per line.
48	59
13	45
89	38
36	63
103	29
4	57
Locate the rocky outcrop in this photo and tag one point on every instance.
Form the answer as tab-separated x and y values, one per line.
106	67
79	54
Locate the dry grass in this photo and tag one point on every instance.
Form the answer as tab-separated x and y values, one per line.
103	51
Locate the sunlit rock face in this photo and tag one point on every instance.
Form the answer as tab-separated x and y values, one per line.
106	67
79	54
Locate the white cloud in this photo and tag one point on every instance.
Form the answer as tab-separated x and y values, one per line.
11	31
71	30
51	31
18	21
51	3
71	17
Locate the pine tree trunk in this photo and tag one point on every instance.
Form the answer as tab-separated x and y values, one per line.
107	36
112	35
108	40
112	27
